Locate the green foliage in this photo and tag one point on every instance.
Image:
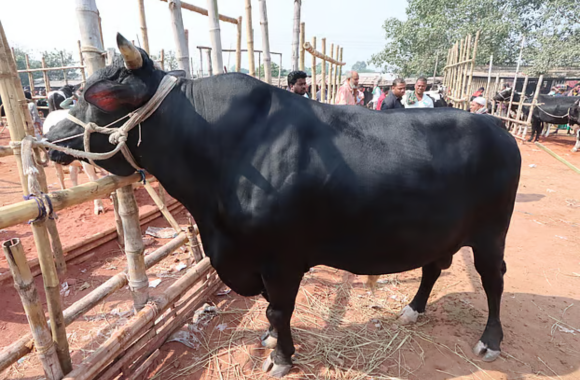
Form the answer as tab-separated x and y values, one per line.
551	29
361	67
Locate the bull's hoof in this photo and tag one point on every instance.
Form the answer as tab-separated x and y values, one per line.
408	315
489	355
99	207
574	150
277	370
268	340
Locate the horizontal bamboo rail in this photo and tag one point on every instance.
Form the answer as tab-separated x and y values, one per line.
5	151
522	122
322	56
233	50
51	69
119	341
457	100
202	11
458	63
20	212
25	345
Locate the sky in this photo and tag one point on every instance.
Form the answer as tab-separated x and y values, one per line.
355	25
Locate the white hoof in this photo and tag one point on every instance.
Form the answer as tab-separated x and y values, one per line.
408	316
270	342
277	370
481	349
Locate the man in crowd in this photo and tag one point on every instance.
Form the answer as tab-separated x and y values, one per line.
347	93
393	99
477	105
297	83
417	98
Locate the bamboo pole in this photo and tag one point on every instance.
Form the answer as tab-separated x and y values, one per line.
30	76
323	73
516	75
138	281
194	245
330	75
280	70
335	79
181	48
535	99
340	69
215	36
260	65
45	77
81	61
24	345
63	70
473	57
487	89
122	337
45	69
209	65
562	160
521	102
313	82
320	55
296	35
89	26
24	284
143	25
302	41
161	206
18	119
162	56
239	45
464	75
265	41
205	12
250	38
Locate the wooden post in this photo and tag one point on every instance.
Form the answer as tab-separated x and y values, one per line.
30	76
101	29
250	38
215	36
45	77
516	75
24	284
18	119
265	41
296	35
194	244
340	70
138	281
535	100
313	81
260	65
118	221
143	23
330	76
209	65
435	71
280	70
239	45
200	61
520	105
179	36
88	18
63	70
487	92
186	33
302	41
473	57
162	57
81	62
323	74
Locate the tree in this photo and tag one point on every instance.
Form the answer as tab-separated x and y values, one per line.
361	67
51	58
433	26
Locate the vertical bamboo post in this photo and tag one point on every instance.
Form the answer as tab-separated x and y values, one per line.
340	71
520	105
209	65
215	36
535	99
487	90
313	81
335	79
265	41
18	119
82	62
63	65
24	284
143	24
186	34
259	65
162	57
101	29
280	70
492	93
194	244
473	57
239	45
30	76
138	281
330	74
200	61
45	77
302	41
88	18
323	74
296	35
191	66
458	55
435	71
118	221
250	38
466	55
179	36
516	75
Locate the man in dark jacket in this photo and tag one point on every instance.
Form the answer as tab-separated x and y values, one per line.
393	100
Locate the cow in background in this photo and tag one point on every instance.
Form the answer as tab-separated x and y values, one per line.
58	96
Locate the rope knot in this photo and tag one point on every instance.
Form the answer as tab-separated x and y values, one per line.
91	127
120	136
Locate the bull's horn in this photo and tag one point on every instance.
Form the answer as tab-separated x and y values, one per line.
131	55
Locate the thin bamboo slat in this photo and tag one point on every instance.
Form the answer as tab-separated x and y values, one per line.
250	38
296	35
323	72
239	45
330	88
313	82
302	41
81	61
24	284
265	41
143	24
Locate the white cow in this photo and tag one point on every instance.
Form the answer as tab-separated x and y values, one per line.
51	120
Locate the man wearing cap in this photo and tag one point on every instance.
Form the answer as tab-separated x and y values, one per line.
478	106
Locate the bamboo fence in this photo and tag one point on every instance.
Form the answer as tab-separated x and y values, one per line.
335	61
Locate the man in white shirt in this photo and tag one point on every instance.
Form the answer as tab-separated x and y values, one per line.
418	98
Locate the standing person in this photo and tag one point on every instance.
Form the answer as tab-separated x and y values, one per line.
417	98
393	100
347	93
561	92
478	93
477	106
384	93
297	82
553	91
377	93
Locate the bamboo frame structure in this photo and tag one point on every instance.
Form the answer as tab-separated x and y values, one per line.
265	41
181	47
313	82
335	82
331	75
322	55
143	25
302	41
19	122
340	70
296	35
205	12
24	284
458	71
250	38
215	36
323	72
239	45
82	62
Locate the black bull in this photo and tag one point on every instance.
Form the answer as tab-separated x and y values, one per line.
279	184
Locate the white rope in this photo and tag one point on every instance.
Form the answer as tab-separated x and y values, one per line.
554	116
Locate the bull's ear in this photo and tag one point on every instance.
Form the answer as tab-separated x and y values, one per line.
110	96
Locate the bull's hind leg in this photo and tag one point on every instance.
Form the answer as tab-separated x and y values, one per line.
491	267
431	273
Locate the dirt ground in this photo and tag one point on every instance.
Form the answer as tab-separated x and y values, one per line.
342	331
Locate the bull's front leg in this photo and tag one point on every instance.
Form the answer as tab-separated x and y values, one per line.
577	133
92	174
282	284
